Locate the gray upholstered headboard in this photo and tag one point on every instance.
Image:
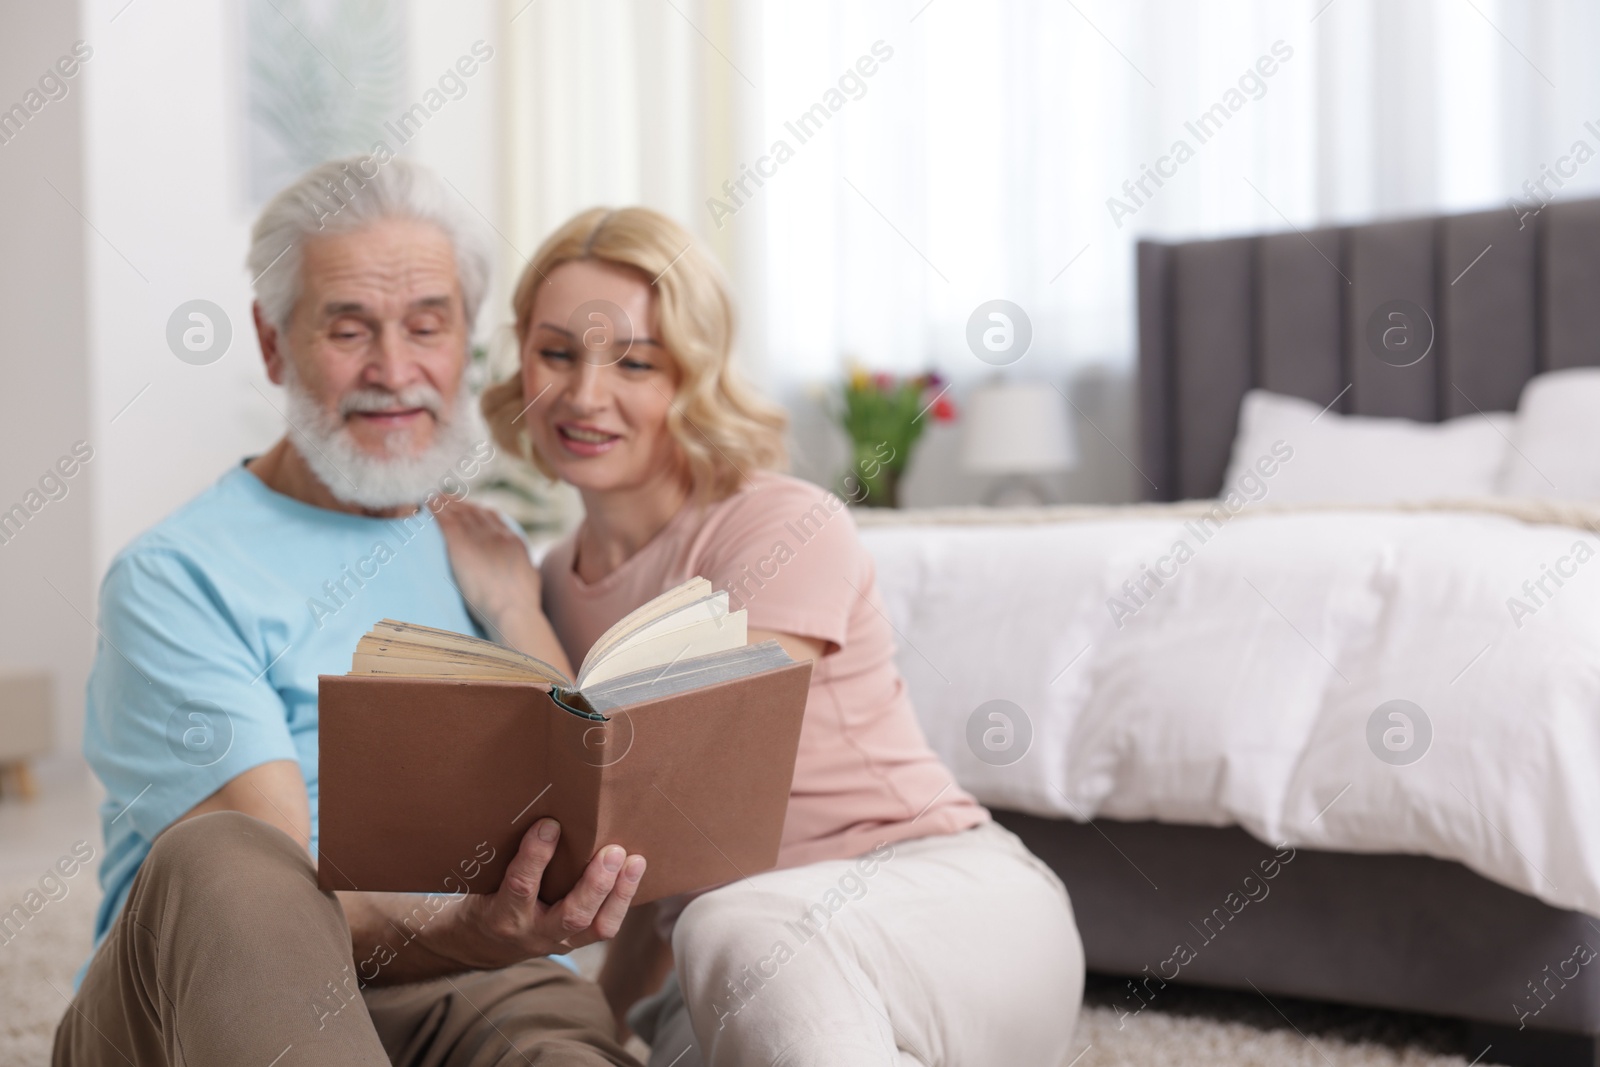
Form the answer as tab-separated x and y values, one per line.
1289	312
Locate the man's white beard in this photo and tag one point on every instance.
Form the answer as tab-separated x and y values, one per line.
395	478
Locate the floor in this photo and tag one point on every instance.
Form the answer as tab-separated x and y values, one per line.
37	962
33	835
1202	1028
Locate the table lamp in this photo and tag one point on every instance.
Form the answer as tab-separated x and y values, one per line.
1019	430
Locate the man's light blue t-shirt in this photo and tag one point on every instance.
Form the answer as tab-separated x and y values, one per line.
215	625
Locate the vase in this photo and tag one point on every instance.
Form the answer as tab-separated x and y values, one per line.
878	489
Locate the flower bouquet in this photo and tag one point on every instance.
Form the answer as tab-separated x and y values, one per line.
884	415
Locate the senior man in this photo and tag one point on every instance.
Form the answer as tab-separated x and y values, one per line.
213	943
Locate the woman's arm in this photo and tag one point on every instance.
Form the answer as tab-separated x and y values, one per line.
799	648
498	581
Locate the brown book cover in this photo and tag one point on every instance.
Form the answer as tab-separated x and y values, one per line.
427	785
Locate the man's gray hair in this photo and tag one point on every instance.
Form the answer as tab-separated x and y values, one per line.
344	195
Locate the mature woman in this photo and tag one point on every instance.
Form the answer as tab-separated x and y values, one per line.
901	921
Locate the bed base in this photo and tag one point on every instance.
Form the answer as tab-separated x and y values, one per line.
1399	932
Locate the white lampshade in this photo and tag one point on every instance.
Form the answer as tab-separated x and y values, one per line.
1018	428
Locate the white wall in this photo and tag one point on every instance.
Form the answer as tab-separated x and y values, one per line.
463	141
167	177
166	187
45	580
160	170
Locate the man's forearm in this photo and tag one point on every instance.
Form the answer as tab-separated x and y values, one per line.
408	937
395	937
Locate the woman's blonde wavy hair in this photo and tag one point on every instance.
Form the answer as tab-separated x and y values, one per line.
723	427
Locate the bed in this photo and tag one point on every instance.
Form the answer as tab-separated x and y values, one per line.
1169	756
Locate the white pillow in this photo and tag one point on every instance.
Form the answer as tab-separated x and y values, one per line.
1557	437
1318	456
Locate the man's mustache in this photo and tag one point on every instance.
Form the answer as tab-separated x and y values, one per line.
373	399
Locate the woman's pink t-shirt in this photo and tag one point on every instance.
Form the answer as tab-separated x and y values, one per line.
787	553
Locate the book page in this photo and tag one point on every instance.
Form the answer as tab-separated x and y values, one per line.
714	606
430	652
686	674
696	588
392	666
707	627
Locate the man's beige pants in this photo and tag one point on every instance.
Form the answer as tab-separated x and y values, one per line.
227	953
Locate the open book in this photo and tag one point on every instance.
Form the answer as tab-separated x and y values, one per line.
683	639
677	740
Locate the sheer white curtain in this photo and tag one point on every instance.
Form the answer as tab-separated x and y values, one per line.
979	158
606	103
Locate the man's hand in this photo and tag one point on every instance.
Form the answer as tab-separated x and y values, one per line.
493	930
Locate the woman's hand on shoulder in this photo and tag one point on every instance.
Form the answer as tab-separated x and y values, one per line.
496	576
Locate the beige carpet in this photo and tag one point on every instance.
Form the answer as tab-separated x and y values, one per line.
45	952
1195	1027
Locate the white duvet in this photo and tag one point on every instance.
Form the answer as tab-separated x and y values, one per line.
1239	691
